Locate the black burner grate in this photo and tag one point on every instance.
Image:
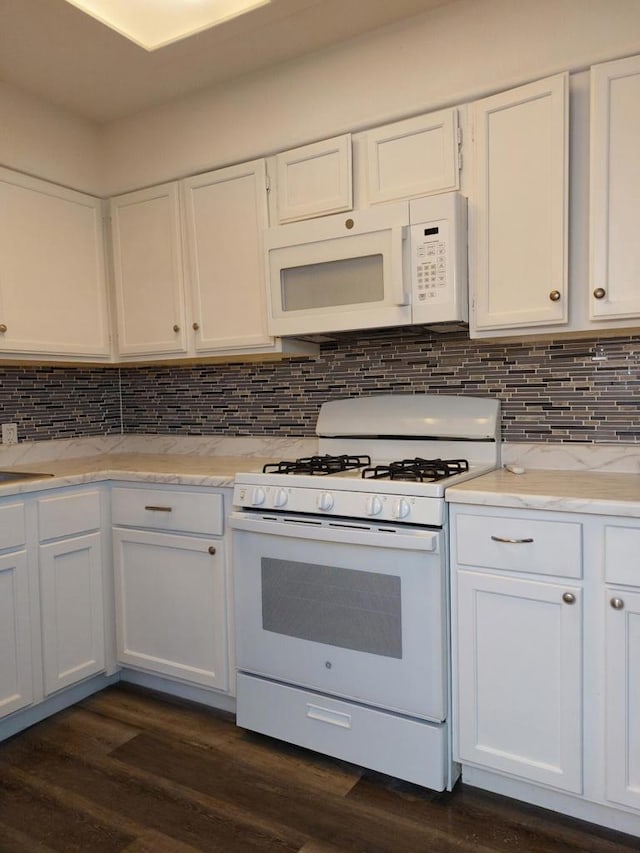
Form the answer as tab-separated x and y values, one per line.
420	470
326	464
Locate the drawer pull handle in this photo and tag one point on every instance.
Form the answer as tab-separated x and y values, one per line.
512	541
159	508
569	598
617	603
326	715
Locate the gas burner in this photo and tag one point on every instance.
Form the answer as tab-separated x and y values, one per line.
420	470
326	464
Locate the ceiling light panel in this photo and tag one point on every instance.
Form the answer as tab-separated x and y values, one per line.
156	23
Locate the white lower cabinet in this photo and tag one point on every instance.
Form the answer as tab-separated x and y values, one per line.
72	610
520	677
71	574
16	689
623	696
171	588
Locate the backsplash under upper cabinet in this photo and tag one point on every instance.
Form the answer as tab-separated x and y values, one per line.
550	391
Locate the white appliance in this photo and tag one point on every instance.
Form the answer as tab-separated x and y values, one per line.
341	582
391	265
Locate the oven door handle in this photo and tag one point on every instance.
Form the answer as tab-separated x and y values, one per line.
335	531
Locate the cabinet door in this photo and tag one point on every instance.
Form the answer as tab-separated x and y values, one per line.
519	678
53	298
623	697
225	214
16	689
171	605
72	610
147	268
615	189
314	180
413	157
518	211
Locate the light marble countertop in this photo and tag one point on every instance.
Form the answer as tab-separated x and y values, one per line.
593	492
176	468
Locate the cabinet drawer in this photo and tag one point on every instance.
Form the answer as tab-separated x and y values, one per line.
410	749
622	555
520	545
66	515
12	533
168	509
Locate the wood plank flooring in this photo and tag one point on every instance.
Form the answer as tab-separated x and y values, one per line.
129	770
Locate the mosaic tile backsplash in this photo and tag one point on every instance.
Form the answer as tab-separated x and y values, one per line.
568	391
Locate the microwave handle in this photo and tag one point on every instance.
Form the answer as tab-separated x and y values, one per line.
399	234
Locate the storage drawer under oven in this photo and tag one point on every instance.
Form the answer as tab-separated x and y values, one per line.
409	749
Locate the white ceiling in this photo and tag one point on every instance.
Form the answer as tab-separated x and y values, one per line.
53	50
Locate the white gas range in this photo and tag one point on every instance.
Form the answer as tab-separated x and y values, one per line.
341	582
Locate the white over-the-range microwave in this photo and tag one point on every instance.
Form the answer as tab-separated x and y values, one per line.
393	265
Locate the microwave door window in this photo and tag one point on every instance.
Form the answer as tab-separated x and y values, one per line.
350	281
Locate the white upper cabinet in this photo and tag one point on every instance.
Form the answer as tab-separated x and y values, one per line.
147	269
225	213
53	297
615	190
414	157
519	208
314	180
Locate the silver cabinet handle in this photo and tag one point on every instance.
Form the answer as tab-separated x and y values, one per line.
512	541
617	603
569	598
159	508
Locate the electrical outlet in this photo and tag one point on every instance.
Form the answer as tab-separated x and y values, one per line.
9	433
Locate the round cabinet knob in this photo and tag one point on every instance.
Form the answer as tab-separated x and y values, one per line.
195	327
348	224
617	603
373	505
599	293
257	497
3	328
554	296
211	550
569	598
325	501
280	497
401	508
176	328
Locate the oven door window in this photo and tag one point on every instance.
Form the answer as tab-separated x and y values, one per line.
348	609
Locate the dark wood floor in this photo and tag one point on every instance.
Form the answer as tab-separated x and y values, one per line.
127	770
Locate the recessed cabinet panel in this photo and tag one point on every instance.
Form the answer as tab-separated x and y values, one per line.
518	208
519	678
623	697
414	157
314	180
16	689
225	214
53	298
72	611
149	286
615	190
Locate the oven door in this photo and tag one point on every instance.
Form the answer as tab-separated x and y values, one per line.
350	609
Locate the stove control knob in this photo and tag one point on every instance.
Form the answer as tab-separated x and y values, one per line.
257	496
401	508
325	501
373	505
280	497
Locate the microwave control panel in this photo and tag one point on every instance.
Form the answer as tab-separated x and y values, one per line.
429	262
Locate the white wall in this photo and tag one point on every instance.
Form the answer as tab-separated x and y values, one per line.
42	140
449	55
